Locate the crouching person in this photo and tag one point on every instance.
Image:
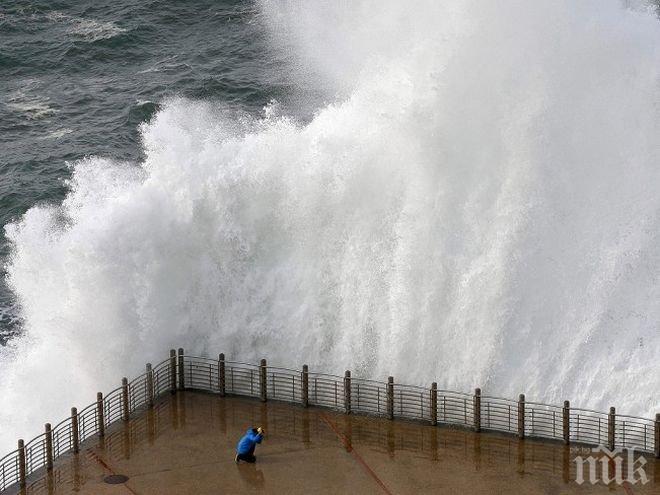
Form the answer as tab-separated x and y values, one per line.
247	444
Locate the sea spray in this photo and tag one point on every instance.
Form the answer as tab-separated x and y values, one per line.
476	204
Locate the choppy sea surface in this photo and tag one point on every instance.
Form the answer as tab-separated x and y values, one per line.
77	78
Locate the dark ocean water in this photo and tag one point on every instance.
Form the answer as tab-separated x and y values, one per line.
77	78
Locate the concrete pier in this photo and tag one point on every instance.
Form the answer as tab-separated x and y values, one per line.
185	445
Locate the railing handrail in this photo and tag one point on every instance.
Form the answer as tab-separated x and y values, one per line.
389	398
635	417
553	406
579	409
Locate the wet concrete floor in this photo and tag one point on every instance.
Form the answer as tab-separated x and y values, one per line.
185	445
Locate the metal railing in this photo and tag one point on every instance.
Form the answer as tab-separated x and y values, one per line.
65	438
344	393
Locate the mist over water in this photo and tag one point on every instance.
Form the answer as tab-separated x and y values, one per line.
476	203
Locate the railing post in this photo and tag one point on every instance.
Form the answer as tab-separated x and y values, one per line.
657	435
49	446
173	371
390	397
21	463
566	422
75	434
521	416
150	386
347	392
304	392
221	374
182	371
434	403
263	388
477	410
99	414
124	399
611	421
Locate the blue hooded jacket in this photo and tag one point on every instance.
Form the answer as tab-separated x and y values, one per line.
248	442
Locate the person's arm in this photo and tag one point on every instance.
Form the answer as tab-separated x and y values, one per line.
255	437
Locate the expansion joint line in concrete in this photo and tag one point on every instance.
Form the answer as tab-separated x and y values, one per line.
358	457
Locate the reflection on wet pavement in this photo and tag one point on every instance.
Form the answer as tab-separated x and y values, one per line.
186	445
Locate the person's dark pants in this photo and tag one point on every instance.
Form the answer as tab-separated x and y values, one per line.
248	457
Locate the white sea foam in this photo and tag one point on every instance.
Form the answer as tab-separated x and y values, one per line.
57	134
86	29
91	30
33	106
166	65
478	207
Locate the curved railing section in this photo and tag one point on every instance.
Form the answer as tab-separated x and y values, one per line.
344	393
